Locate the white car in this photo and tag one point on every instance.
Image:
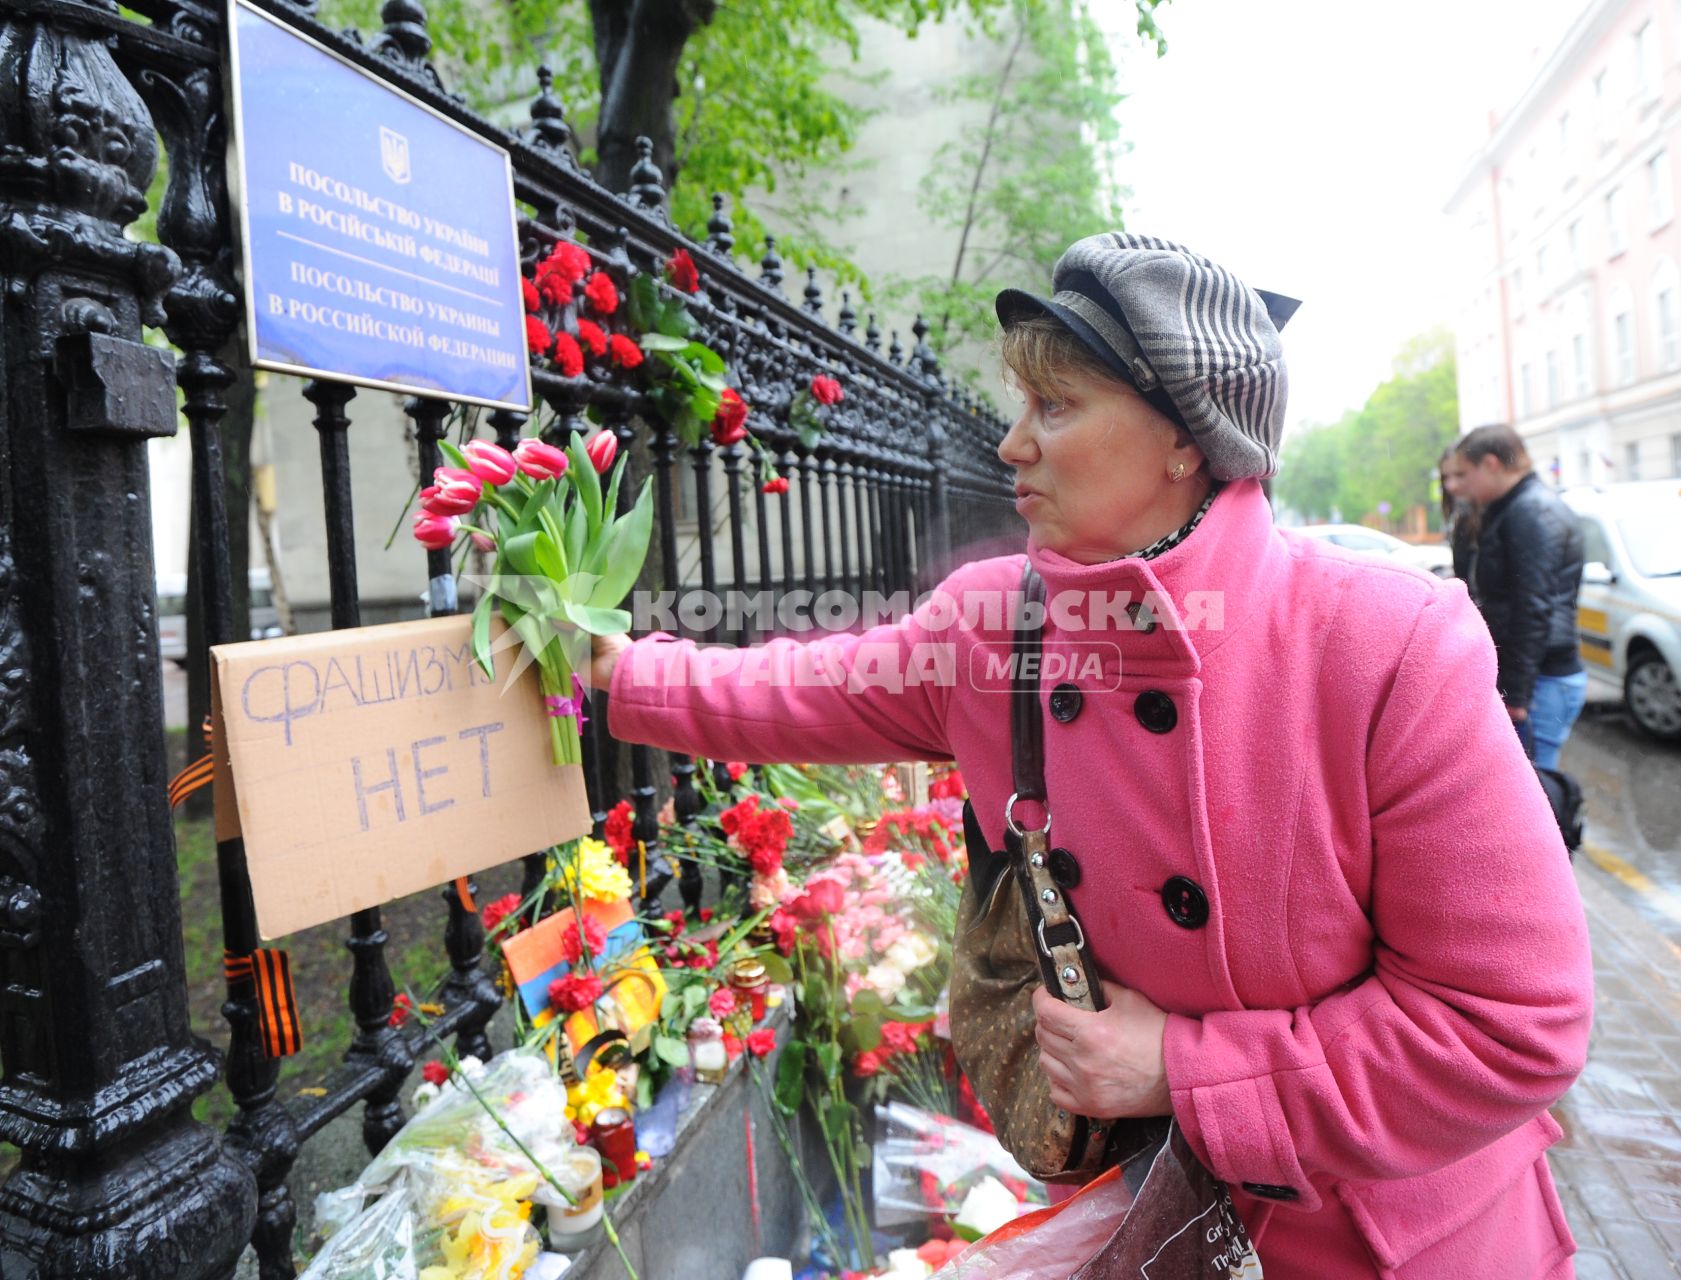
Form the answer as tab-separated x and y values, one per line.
1628	614
1432	557
1629	609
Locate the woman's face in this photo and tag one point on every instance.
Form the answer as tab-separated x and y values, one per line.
1094	469
1483	481
1454	476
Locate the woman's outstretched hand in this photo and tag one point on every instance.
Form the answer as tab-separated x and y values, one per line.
1108	1064
605	652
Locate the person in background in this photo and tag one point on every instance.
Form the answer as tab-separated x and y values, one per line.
1461	518
1525	572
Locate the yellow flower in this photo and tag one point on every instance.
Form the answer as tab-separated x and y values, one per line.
600	1091
593	873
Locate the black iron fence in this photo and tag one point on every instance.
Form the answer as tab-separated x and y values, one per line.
114	1178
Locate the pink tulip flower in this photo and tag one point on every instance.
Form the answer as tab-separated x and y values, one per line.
602	449
489	462
540	461
455	498
434	532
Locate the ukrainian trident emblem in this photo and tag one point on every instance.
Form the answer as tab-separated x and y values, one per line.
394	154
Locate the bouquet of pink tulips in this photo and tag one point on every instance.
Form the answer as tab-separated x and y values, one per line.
564	558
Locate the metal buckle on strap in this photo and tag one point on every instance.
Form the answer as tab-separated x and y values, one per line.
1010	816
1079	939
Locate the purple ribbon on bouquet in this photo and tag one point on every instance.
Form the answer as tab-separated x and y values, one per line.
573	706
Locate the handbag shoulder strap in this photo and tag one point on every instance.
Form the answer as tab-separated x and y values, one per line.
1064	959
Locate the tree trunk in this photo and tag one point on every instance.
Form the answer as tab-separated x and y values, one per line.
638	46
236	427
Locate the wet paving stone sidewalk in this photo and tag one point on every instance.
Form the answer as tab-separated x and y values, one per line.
1618	1166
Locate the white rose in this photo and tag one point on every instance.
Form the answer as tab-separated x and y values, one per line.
425	1094
886	980
988	1206
902	956
921	946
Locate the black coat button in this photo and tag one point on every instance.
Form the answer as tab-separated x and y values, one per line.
1155	711
1064	870
1186	903
1266	1191
1143	618
1065	702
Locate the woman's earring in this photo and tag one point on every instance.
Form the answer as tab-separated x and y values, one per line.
1178	472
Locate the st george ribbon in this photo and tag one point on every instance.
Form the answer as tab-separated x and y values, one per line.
378	236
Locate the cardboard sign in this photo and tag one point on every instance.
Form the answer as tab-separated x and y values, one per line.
367	764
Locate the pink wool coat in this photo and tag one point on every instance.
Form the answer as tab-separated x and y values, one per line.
1371	947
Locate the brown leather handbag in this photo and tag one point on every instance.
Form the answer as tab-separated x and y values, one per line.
1015	930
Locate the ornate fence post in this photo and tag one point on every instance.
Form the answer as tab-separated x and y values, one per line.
116	1179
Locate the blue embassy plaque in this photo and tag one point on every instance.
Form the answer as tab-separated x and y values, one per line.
378	236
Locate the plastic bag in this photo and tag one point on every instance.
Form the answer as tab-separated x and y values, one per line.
375	1244
458	1188
1161	1216
927	1164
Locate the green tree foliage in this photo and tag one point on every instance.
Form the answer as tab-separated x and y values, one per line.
1384	452
1033	171
763	96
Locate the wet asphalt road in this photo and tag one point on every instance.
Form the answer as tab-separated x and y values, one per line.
1632	789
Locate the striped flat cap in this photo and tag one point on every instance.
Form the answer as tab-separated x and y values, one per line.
1196	342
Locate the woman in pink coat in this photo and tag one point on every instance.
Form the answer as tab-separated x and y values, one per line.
1338	930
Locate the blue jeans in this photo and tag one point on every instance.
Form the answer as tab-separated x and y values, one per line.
1553	708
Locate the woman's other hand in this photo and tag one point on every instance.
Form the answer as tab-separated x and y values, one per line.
1104	1065
605	652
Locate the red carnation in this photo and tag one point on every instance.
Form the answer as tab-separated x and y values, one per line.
730	423
736	769
948	786
826	390
528	294
732	819
617	831
595	939
600	294
626	354
435	1073
868	1064
680	270
761	1042
566	264
568	355
778	485
401	1008
574	992
537	336
674	920
496	912
592	336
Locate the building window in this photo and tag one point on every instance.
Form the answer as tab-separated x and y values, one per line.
1573	241
1616	225
1541	266
1552	379
1601	107
1579	355
1647	77
1659	192
1669	326
1623	329
1526	390
1675	454
1517	291
1631	461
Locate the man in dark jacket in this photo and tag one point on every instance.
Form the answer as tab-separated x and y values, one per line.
1524	577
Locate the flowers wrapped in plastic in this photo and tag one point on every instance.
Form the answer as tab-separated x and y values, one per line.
452	1195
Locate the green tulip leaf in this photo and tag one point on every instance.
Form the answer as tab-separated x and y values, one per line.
655	342
481	634
598	622
585	482
790	1078
453	455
